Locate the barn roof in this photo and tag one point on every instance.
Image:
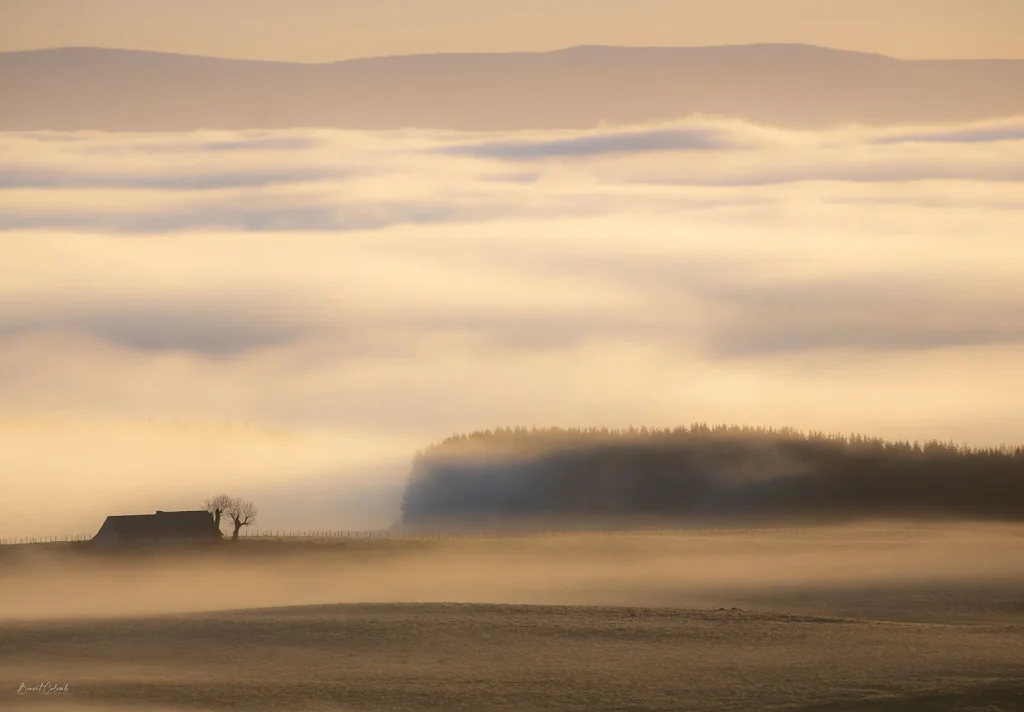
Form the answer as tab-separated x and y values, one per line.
163	525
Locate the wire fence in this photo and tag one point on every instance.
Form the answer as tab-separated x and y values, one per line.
291	534
294	534
297	535
45	539
321	534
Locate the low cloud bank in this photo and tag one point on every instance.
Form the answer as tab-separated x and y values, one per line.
373	291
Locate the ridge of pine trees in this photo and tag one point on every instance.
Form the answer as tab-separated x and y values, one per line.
702	472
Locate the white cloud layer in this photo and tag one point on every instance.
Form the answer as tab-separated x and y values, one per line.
371	292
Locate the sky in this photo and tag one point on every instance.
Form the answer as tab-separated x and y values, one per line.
290	315
331	30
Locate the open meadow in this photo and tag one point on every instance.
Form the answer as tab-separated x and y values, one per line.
870	617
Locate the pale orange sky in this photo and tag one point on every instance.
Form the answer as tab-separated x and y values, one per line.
327	30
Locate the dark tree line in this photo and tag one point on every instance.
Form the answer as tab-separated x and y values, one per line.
706	473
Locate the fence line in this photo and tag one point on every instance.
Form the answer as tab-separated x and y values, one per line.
298	534
45	539
347	534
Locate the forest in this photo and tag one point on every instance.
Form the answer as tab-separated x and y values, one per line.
705	474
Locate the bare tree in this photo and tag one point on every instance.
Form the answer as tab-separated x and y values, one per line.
217	506
242	513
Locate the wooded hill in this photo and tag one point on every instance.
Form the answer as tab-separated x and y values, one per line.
701	474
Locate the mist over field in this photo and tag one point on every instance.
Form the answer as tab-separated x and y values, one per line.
291	315
896	616
849	570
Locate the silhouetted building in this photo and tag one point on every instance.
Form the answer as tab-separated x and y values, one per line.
162	528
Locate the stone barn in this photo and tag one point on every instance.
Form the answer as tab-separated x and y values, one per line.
160	529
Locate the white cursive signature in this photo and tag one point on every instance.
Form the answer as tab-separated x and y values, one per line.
44	688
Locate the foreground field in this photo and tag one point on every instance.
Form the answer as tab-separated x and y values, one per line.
826	621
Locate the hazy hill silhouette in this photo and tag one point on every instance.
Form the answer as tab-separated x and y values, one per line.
703	474
786	85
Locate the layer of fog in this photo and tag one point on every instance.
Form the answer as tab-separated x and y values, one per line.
710	569
368	293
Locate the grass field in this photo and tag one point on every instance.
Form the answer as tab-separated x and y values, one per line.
843	619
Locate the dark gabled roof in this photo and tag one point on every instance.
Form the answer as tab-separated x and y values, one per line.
163	525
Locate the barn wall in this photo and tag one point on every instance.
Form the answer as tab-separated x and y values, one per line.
107	536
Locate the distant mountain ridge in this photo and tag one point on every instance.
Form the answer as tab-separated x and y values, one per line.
579	87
